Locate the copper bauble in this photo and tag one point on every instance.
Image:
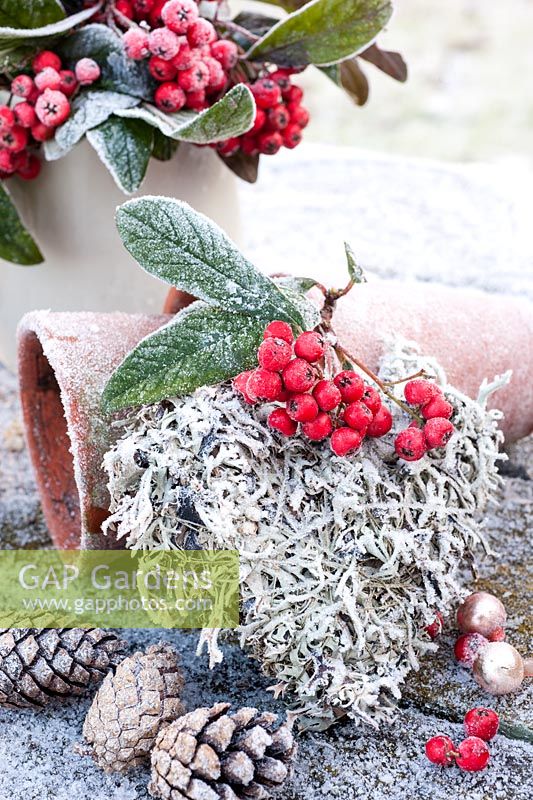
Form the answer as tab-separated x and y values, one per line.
481	613
499	668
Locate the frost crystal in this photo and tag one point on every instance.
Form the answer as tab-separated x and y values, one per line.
343	561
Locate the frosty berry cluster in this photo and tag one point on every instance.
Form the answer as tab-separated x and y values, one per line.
194	67
340	407
434	429
40	101
472	754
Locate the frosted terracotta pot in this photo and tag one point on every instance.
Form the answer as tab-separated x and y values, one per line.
70	211
65	360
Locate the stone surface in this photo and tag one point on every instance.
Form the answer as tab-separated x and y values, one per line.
459	226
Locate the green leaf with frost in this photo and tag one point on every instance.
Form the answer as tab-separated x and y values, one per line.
118	72
124	146
296	288
230	116
89	110
163	147
322	32
354	270
26	26
201	346
177	244
16	244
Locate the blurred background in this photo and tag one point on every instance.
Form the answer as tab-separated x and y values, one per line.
468	96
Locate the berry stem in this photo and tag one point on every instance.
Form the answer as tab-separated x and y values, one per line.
383	386
233	26
420	374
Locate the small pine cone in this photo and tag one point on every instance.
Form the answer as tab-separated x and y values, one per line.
211	755
38	666
130	708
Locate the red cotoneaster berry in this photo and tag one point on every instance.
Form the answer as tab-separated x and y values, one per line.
282	78
293	94
164	43
302	408
186	58
7	162
169	97
22	86
371	398
269	143
48	78
240	382
41	133
440	750
438	432
217	76
310	346
87	71
497	635
473	754
196	100
350	385
279	330
7	118
201	32
357	416
274	354
264	385
381	423
299	116
142	7
259	122
227	53
136	43
298	376
46	59
178	15
249	145
195	78
292	136
31	169
319	429
345	440
436	627
25	115
15	139
438	407
419	391
228	147
266	92
482	722
278	117
162	70
68	84
52	108
467	648
125	8
280	421
327	395
410	444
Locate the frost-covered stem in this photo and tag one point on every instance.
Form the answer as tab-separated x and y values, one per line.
379	382
114	12
420	374
233	26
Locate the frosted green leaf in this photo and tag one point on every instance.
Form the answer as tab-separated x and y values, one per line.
30	14
88	110
201	346
16	244
322	32
118	72
295	289
125	147
174	242
355	272
231	116
26	26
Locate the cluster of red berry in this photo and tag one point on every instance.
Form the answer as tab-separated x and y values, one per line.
344	408
39	103
417	439
194	68
472	755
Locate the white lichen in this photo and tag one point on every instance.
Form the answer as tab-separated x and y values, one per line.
343	561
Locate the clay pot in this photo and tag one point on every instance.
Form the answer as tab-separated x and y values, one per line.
70	210
66	359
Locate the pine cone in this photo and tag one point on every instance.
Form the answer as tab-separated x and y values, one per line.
131	706
37	666
211	755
